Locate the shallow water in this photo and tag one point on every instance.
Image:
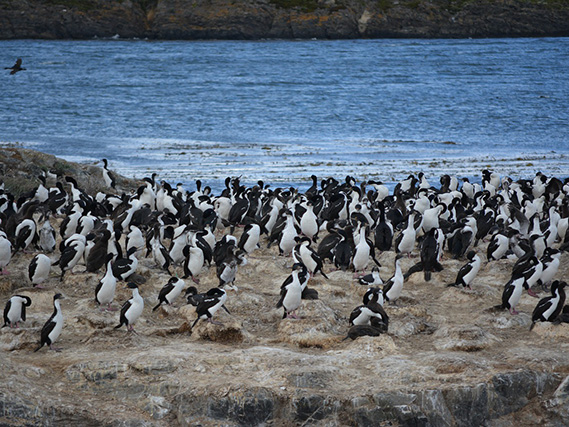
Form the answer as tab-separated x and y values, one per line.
283	110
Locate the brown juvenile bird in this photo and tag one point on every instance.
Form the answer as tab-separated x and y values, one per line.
16	67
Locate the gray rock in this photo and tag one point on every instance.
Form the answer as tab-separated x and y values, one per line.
511	391
469	405
251	408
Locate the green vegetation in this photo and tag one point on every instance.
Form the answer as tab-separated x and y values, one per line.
19	185
385	4
61	168
304	5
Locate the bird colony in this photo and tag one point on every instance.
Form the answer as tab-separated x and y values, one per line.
316	268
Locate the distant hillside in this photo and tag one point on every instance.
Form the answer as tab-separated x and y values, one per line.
258	19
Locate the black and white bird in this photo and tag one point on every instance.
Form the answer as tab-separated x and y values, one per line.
304	254
530	268
135	239
226	269
123	268
363	314
405	242
193	297
288	236
549	308
371	279
25	234
373	294
468	271
131	309
106	288
69	225
249	241
343	251
57	198
72	252
213	300
431	217
551	261
309	222
52	328
394	286
15	310
291	293
5	252
461	237
38	270
193	262
512	294
498	246
326	247
108	176
363	250
160	254
170	291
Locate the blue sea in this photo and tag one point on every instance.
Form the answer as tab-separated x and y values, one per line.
283	110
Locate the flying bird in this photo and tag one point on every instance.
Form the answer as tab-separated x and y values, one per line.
16	67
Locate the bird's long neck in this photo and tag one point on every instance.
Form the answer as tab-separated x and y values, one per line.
398	271
56	307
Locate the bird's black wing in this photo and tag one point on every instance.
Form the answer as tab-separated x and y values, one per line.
355	313
166	289
542	306
6	310
46	330
97	289
204	306
32	268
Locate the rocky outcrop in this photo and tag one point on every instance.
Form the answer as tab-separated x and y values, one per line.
20	168
261	19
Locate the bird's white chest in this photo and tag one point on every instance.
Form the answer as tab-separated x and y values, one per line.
56	331
107	291
135	310
293	295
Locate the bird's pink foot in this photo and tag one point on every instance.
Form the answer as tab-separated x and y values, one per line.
532	293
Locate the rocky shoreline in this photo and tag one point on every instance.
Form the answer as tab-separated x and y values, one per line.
280	19
446	360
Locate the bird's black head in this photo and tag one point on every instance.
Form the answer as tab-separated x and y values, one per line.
132	285
173	280
298	266
58	296
192	290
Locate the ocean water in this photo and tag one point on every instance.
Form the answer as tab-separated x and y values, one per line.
283	110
